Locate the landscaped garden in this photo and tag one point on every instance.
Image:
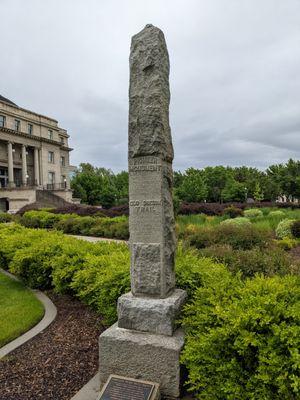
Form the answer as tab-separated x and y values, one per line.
19	309
242	275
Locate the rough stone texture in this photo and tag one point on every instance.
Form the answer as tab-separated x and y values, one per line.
142	356
150	166
150	315
144	344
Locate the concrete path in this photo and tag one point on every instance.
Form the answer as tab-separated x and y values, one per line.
90	391
49	316
94	239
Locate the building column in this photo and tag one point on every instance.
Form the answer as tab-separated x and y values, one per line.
36	167
24	165
11	182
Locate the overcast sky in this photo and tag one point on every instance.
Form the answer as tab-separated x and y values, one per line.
235	74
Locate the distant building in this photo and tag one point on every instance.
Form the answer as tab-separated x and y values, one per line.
34	159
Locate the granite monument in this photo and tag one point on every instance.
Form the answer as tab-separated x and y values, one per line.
145	342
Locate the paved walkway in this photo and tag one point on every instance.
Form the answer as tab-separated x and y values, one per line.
49	316
94	239
90	391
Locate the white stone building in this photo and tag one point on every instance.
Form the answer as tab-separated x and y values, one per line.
34	159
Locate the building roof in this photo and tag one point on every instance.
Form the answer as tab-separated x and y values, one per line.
7	100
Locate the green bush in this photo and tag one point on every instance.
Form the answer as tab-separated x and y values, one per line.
75	225
5	217
111	228
78	225
103	279
253	213
287	243
233	212
242	335
239	236
243	339
33	263
276	214
268	261
240	221
39	219
284	228
193	270
296	229
12	238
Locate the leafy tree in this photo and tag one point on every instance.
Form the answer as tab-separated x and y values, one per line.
258	193
94	186
233	191
193	187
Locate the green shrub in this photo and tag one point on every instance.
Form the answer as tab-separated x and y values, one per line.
242	236
117	228
33	263
39	219
65	264
192	270
201	236
75	225
104	278
233	212
243	339
296	229
284	228
287	243
276	214
240	221
13	238
5	217
268	261
239	236
253	213
78	225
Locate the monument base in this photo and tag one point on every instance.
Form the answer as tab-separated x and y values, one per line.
151	315
142	355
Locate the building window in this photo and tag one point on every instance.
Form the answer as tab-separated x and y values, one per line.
62	140
50	134
2	121
30	129
51	157
62	161
17	125
63	181
51	180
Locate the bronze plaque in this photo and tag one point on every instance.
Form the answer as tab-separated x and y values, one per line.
119	388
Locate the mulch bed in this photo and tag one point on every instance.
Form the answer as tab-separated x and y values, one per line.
58	362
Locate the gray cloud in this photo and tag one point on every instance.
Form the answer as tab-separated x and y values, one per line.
235	81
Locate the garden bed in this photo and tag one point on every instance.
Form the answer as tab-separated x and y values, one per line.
59	361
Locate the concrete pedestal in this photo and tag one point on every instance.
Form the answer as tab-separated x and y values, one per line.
142	355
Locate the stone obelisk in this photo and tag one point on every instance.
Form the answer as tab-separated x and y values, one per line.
145	343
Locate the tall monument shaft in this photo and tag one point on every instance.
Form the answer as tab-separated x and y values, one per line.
151	220
145	342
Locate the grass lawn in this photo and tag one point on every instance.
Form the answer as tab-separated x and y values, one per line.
20	310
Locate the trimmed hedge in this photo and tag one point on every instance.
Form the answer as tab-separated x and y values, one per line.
73	224
243	337
96	273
